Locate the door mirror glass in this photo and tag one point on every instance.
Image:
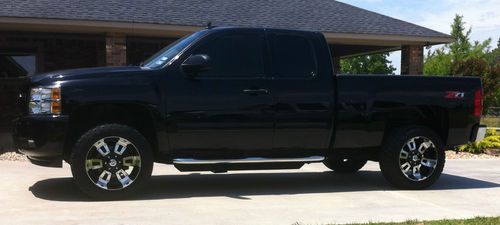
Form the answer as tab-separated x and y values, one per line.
195	64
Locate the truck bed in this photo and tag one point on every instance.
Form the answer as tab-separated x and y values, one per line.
368	105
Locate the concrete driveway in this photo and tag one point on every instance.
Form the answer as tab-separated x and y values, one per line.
312	195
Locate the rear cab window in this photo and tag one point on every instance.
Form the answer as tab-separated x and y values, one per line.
292	56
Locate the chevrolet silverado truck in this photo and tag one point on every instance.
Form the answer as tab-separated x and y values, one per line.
228	98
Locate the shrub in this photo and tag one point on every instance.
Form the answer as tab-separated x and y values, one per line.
491	140
490	132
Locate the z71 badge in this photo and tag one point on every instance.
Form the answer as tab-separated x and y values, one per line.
454	95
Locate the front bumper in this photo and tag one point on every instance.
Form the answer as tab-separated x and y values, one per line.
41	138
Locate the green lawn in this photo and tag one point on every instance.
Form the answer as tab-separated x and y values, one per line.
475	221
491	121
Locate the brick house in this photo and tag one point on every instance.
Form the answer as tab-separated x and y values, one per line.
74	33
44	35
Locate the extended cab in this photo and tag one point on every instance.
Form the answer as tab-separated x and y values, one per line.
242	98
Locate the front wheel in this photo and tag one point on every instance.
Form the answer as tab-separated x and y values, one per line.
412	157
111	162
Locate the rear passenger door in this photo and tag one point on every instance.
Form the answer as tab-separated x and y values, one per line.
302	92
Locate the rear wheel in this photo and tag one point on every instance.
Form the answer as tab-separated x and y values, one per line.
412	157
344	165
111	162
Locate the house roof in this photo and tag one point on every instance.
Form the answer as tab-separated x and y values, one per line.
333	18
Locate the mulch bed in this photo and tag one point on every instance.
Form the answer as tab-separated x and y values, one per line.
495	152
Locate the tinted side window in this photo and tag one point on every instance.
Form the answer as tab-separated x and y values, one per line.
292	56
238	55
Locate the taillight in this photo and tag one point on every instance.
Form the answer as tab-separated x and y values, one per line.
478	103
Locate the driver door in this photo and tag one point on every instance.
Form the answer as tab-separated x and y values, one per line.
225	111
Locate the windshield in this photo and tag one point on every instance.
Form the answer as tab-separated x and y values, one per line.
166	54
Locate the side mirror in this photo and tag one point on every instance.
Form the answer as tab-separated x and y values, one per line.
195	64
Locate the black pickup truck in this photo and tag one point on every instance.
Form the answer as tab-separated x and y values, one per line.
242	98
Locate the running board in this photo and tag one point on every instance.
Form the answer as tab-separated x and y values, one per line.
190	161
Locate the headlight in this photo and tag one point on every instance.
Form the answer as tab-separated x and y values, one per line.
45	100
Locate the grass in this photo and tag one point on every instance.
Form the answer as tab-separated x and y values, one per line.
474	221
491	121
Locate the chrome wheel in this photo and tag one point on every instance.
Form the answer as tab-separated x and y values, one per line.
418	158
113	163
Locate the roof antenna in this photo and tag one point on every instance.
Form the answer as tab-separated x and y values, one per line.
209	25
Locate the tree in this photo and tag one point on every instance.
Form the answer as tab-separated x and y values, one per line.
470	67
440	61
369	64
494	56
466	58
491	85
460	49
489	74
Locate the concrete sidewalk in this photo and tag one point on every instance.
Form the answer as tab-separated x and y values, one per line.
312	195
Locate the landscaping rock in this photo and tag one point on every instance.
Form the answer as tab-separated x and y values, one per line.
465	155
12	156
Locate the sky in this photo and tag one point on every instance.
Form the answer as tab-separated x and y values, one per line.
482	15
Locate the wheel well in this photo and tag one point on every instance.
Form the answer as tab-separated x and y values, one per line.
88	117
434	118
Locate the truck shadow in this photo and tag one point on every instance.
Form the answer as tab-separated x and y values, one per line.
243	186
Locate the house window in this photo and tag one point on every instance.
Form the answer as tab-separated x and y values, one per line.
14	65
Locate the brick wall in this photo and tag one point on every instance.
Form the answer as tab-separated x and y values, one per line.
412	59
116	49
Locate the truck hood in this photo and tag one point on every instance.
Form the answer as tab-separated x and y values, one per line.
83	73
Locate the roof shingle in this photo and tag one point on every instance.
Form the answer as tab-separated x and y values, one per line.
314	15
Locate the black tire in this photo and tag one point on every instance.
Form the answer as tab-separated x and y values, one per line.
86	145
344	165
396	152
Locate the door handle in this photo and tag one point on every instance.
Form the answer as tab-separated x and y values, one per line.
259	91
